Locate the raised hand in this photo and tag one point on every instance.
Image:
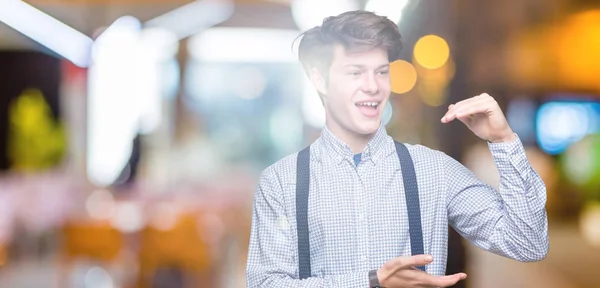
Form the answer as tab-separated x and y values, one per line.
400	272
482	115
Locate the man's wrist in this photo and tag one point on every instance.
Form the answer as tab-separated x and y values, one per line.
374	279
509	137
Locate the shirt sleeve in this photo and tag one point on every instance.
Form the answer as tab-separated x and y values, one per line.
272	249
510	222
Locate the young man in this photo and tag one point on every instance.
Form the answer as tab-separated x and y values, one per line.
358	224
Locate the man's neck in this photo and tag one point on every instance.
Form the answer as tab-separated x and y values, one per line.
356	142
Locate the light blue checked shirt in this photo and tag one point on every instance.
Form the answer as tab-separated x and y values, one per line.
357	214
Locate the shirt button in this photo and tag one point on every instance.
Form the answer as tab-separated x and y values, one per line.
361	216
364	259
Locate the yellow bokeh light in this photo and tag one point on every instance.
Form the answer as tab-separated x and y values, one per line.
569	48
433	94
442	75
431	51
403	76
589	223
578	49
433	83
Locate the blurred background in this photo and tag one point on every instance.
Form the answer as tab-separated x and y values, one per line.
133	132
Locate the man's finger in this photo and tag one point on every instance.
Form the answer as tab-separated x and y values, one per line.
412	261
472	110
445	281
458	111
451	113
465	101
468	101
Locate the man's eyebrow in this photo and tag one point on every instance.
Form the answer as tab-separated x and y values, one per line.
354	66
363	66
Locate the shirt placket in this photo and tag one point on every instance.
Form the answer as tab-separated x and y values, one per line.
361	209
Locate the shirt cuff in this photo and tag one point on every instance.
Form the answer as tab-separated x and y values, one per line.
510	156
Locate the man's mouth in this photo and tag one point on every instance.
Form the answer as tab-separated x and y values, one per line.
368	104
368	108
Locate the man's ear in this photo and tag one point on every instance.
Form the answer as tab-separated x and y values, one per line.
318	80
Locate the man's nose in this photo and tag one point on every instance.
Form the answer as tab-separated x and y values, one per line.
370	85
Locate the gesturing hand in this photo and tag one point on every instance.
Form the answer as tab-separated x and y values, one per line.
400	272
482	115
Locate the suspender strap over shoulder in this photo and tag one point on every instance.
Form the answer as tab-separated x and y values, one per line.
411	192
302	187
409	178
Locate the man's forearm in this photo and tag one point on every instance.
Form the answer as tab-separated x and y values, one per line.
524	225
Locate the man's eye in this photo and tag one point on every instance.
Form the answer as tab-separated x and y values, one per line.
385	72
354	73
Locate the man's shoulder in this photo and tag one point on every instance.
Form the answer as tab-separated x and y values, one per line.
286	163
284	169
420	151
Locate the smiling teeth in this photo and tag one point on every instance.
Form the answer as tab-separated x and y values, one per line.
368	104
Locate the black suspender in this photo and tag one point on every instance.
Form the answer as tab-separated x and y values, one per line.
409	178
302	185
411	192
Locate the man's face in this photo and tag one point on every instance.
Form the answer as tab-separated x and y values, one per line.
356	91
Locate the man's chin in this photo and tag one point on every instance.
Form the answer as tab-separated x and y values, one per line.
369	128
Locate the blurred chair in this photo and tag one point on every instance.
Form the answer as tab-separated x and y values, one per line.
95	241
3	255
176	255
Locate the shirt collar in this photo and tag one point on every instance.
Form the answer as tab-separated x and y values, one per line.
339	151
